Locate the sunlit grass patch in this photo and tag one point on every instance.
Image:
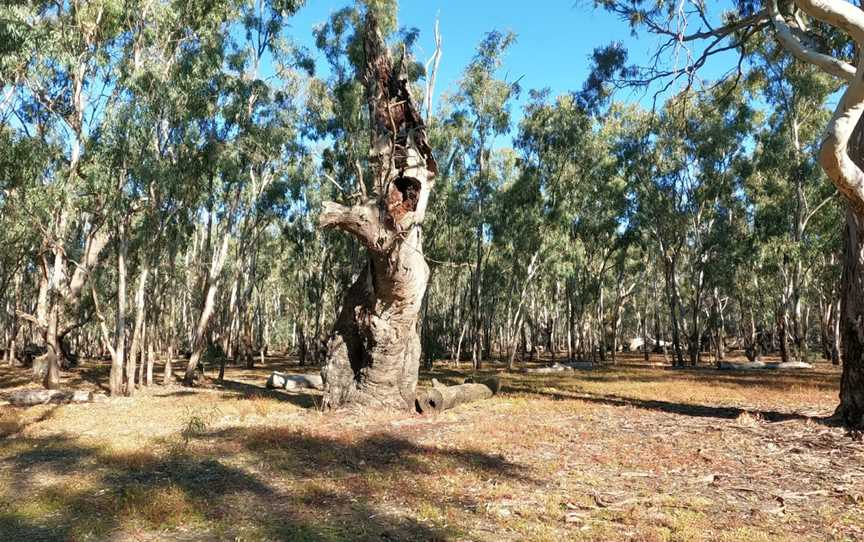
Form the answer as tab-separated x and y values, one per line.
134	460
618	453
10	422
159	507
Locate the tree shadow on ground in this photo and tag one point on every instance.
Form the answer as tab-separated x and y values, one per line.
13	422
91	372
770	379
178	393
274	484
683	409
309	455
773	379
251	391
11	377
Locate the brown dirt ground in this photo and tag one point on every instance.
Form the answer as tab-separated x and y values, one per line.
629	452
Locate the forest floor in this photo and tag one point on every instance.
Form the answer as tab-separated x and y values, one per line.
630	452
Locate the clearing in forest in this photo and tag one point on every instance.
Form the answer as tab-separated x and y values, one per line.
630	452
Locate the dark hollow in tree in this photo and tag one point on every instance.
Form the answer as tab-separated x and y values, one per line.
373	353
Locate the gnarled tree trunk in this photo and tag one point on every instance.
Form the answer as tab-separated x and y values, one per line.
373	353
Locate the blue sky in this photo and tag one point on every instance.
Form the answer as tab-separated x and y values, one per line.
555	38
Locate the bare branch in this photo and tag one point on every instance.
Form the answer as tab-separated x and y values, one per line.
815	210
837	13
833	153
722	32
363	221
32	319
791	43
332	180
430	79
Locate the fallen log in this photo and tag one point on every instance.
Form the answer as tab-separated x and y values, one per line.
763	365
741	365
42	397
437	400
556	368
295	382
790	365
491	382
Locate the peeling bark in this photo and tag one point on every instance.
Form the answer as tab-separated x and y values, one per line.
373	353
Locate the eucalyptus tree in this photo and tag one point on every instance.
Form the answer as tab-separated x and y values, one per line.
482	107
581	210
714	132
450	240
338	128
520	244
826	34
373	354
60	92
656	170
21	160
250	142
787	184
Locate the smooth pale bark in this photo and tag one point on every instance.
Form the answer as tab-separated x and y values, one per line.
118	349
168	372
10	353
829	64
168	369
838	340
670	262
373	354
843	168
718	319
512	330
212	286
151	357
137	334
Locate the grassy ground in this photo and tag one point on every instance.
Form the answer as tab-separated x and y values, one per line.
632	452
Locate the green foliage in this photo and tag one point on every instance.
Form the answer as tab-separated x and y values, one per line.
174	125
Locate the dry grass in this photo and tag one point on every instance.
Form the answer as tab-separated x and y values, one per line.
633	452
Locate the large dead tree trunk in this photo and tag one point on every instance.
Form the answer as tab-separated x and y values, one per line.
373	353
